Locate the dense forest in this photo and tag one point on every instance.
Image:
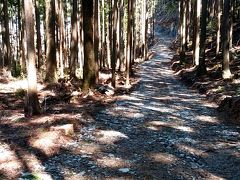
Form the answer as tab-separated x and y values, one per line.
49	41
81	79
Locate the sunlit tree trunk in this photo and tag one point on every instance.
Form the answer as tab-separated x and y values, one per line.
183	31
118	32
218	12
226	73
103	54
197	11
74	39
188	10
31	104
100	37
61	36
81	38
133	36
129	43
96	37
51	61
144	29
89	74
231	24
6	37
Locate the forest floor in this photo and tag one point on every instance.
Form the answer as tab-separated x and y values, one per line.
161	130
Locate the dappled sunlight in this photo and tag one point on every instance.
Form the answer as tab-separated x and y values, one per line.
164	158
191	150
130	98
110	136
49	142
210	175
10	164
207	119
159	125
113	162
158	109
87	148
17	84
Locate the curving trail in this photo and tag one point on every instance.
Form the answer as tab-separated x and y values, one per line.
162	130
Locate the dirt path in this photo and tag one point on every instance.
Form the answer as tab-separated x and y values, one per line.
161	131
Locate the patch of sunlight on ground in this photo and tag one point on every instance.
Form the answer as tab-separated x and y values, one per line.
14	85
110	136
49	142
211	175
112	162
191	150
10	165
208	119
158	125
88	148
159	109
130	98
137	104
32	162
163	158
184	128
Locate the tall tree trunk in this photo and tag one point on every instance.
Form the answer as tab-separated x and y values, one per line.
6	37
89	74
96	37
61	36
100	37
22	42
144	29
39	39
226	73
31	104
103	54
51	61
188	11
197	11
81	38
231	24
183	31
129	42
202	66
218	11
133	37
114	47
121	36
74	39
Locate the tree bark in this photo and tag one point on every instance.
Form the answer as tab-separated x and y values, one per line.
202	66
6	37
74	39
226	73
39	39
129	42
183	31
96	38
51	61
218	11
31	104
89	74
114	52
197	11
